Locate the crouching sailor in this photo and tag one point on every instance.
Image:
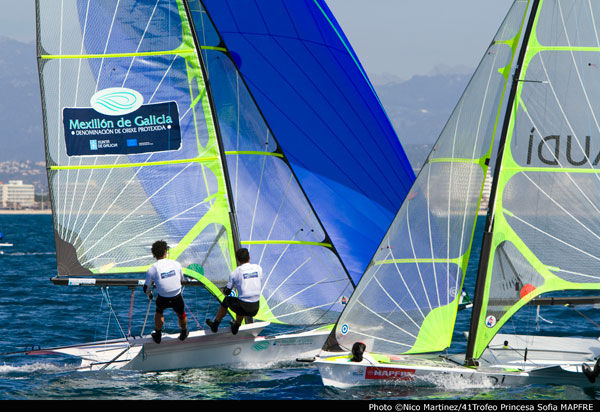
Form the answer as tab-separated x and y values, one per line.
246	279
167	276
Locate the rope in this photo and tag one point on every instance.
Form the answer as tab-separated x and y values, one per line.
538	316
191	313
146	318
131	311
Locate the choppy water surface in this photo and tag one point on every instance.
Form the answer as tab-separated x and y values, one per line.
36	313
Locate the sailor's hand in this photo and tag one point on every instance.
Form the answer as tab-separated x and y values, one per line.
148	291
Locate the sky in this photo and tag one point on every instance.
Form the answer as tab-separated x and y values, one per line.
410	37
401	38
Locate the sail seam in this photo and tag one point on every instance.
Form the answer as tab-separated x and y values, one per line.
284	242
121	55
161	163
417	260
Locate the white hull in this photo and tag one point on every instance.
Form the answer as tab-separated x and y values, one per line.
505	367
200	350
445	374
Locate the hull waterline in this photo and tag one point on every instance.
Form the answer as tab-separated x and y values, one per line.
245	350
511	360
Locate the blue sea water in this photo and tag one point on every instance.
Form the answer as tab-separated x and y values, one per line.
35	313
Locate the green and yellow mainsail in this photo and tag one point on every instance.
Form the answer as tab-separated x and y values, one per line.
407	300
108	208
544	229
530	112
141	146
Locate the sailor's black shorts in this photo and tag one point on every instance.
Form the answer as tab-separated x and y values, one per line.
240	307
175	302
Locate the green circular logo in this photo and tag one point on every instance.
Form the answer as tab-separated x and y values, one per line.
116	101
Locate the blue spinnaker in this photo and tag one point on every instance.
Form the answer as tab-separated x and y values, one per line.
321	107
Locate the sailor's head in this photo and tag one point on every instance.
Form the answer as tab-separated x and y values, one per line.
357	351
242	255
160	249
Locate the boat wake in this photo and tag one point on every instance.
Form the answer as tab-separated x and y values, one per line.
26	369
26	253
455	382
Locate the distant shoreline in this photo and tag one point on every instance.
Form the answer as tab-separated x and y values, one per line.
26	212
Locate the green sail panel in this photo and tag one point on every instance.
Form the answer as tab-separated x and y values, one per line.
305	281
407	300
131	143
546	232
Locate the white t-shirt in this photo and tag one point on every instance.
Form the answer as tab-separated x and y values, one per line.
247	280
167	275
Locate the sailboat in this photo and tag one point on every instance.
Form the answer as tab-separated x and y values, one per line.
4	244
529	119
152	131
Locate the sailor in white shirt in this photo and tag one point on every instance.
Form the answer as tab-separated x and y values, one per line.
247	280
167	276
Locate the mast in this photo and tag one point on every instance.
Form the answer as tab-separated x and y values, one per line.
488	231
232	215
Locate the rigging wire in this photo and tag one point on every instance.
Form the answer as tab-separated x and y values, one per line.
584	316
130	311
112	311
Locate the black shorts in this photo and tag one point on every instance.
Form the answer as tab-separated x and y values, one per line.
239	307
175	302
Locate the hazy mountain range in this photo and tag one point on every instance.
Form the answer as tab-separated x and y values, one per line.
417	107
20	105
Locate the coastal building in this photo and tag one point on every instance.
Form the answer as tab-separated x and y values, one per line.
16	194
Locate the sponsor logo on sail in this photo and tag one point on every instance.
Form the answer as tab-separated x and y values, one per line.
394	374
345	329
565	151
116	101
139	128
490	321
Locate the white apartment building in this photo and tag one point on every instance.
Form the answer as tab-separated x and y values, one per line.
15	194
